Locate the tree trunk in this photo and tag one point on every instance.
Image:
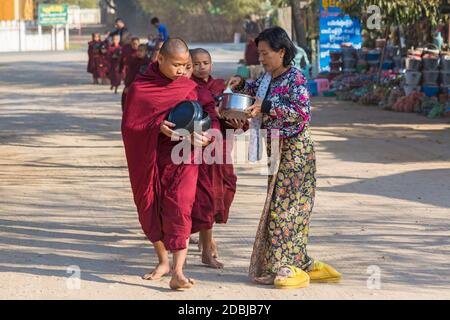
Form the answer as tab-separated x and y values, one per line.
298	23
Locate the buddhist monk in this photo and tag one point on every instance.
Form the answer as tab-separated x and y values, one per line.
101	62
164	191
222	178
135	65
129	51
114	54
95	42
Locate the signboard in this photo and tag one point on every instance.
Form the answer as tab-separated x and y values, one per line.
53	14
336	29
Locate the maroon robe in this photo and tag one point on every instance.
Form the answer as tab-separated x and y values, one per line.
134	65
91	64
220	179
128	53
114	54
163	192
101	62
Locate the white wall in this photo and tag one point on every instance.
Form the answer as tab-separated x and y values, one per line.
18	36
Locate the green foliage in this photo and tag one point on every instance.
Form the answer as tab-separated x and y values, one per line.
398	12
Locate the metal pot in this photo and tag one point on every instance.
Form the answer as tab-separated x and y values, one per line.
232	105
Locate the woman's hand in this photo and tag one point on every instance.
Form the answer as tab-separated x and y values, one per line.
166	129
200	140
255	109
234	82
236	123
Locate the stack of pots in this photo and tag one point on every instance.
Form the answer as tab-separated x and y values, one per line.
413	74
336	62
373	58
349	58
392	58
430	61
362	64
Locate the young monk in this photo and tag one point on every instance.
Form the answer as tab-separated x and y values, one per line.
114	54
135	65
129	51
221	177
164	192
91	46
101	63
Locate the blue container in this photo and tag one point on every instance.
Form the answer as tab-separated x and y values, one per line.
388	65
430	91
371	56
312	87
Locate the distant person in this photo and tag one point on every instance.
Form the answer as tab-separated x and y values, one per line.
101	63
95	42
162	29
120	30
252	57
129	51
136	64
114	55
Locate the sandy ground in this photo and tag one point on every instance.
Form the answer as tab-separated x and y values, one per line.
382	208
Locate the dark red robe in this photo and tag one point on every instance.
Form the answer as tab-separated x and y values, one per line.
101	62
219	179
128	53
134	66
114	54
164	192
91	64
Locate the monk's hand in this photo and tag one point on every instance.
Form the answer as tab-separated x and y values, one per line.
234	82
166	129
254	109
125	90
236	123
200	140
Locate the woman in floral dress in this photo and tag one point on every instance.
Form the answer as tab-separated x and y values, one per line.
284	108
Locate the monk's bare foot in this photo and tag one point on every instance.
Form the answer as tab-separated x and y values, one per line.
214	252
265	280
180	282
160	271
210	261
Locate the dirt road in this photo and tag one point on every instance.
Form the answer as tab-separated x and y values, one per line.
382	209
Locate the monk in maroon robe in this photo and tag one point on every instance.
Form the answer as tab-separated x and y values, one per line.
220	178
135	65
129	52
94	43
101	62
114	54
164	192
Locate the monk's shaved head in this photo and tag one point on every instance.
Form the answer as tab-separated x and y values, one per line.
173	47
195	52
173	58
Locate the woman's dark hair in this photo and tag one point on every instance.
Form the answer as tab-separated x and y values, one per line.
278	39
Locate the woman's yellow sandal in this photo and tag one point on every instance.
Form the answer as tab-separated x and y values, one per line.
323	272
291	277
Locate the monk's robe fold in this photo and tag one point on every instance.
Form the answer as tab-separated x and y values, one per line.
163	192
220	179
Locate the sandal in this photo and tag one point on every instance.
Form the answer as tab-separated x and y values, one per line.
323	272
290	277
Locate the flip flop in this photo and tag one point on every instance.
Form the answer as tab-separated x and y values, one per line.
323	272
295	278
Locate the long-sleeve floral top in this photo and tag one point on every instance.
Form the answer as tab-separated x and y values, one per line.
287	106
